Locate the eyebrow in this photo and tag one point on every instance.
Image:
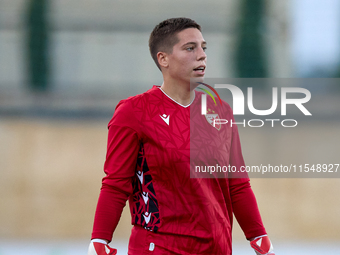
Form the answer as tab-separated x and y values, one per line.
204	43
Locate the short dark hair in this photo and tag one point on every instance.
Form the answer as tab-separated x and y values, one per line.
164	35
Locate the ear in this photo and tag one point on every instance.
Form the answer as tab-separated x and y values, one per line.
162	58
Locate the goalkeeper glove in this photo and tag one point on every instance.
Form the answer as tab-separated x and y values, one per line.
100	247
262	245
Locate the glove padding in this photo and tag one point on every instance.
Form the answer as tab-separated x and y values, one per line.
97	248
262	245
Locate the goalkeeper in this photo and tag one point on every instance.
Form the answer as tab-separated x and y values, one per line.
148	163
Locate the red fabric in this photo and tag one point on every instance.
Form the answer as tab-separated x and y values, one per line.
117	185
148	162
243	199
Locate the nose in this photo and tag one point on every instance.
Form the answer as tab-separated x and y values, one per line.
201	54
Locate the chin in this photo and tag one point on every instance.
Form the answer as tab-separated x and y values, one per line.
194	81
199	78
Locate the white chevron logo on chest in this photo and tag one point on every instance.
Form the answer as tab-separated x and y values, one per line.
166	118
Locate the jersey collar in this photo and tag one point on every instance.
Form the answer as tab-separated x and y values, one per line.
184	106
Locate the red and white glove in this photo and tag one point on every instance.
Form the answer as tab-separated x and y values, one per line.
100	247
262	245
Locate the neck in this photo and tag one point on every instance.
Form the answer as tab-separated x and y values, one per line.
181	93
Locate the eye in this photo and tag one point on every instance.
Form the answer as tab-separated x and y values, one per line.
204	48
191	48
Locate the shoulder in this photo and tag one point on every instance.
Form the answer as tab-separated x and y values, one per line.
137	99
127	109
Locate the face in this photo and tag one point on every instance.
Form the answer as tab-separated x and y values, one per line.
188	58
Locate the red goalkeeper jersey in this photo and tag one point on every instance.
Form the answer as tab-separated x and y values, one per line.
148	163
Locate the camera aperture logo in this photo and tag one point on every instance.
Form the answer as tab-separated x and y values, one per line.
239	106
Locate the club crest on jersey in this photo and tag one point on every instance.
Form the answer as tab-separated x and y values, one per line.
210	117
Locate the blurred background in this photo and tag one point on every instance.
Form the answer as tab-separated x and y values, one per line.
65	64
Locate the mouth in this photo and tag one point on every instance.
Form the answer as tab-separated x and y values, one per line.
199	70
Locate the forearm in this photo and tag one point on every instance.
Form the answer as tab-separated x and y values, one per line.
109	209
246	211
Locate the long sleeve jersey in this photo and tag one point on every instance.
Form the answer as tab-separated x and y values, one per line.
153	142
